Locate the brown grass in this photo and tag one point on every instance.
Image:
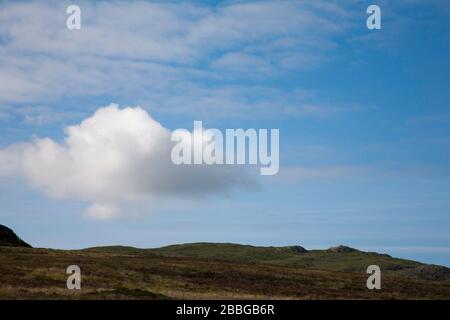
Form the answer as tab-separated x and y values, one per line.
40	274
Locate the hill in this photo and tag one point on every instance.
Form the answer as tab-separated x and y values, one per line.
341	258
175	272
9	238
212	271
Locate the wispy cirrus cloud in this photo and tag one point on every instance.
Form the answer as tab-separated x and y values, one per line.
162	52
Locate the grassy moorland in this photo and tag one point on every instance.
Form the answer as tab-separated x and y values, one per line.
215	271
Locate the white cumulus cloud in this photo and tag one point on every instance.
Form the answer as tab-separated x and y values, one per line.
116	156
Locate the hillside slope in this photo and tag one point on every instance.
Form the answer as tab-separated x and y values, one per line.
341	258
128	273
212	271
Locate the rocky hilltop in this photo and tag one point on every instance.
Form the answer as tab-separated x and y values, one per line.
10	239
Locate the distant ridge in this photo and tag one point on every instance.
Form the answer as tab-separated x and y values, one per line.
340	258
9	239
335	259
223	271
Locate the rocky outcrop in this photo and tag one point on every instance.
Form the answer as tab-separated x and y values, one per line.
342	249
298	249
9	239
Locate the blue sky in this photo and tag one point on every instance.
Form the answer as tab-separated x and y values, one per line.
363	118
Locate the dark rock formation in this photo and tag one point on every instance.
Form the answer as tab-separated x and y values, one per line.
342	249
10	239
298	249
